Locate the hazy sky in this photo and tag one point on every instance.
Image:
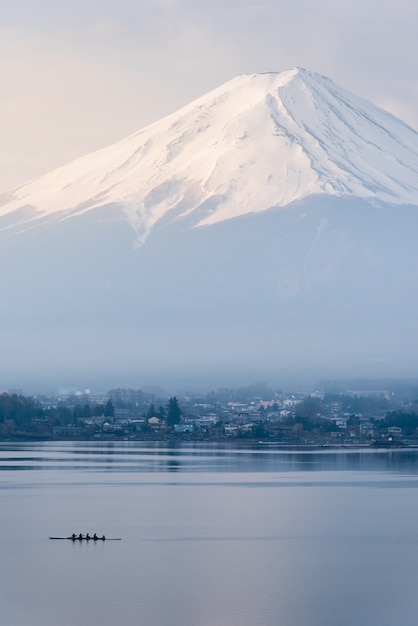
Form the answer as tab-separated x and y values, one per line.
79	75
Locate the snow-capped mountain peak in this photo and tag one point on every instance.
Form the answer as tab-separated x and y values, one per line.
256	142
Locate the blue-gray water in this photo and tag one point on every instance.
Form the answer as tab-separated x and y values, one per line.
210	537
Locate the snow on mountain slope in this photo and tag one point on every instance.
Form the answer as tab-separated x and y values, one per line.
255	142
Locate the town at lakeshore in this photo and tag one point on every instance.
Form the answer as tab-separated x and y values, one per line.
380	413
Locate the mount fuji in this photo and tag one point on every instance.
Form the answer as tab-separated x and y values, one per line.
266	230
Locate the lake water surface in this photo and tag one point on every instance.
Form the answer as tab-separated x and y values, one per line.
211	536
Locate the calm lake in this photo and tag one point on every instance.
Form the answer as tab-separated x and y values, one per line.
211	536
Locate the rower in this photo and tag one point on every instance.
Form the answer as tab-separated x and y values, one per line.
95	537
88	537
80	536
103	538
73	536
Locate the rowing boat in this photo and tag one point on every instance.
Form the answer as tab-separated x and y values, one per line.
89	538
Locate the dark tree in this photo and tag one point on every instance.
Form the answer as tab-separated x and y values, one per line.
353	421
309	407
407	421
151	412
161	413
98	410
173	412
109	411
64	415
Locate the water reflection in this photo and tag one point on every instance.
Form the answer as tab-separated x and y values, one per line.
131	457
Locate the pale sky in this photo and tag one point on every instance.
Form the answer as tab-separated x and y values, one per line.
77	76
